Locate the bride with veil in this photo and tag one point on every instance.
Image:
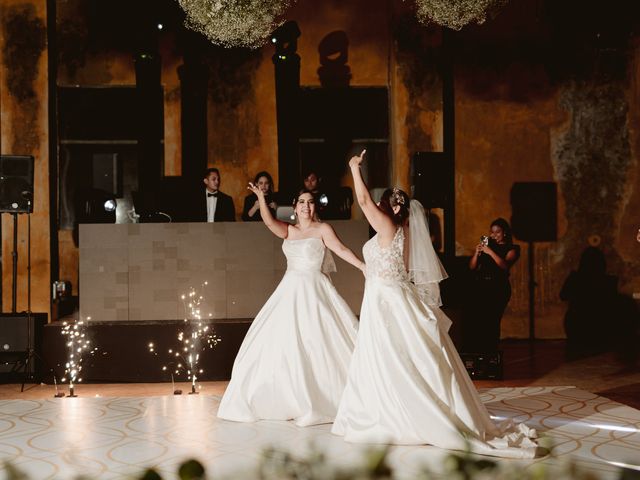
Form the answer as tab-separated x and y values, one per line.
406	383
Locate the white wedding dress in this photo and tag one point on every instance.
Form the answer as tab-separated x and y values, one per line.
407	384
293	362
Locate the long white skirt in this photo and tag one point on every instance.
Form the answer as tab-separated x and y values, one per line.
294	359
408	386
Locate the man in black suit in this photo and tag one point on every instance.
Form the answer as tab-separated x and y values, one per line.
218	206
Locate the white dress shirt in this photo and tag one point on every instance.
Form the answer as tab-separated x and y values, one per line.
212	202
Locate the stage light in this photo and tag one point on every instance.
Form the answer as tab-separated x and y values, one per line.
95	206
160	26
110	205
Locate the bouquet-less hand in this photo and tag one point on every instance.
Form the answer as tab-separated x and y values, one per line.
356	160
254	188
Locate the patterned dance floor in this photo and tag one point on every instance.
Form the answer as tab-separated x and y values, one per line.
115	437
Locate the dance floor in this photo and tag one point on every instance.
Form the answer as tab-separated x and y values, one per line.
112	437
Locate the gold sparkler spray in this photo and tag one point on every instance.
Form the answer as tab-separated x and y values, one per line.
195	337
78	346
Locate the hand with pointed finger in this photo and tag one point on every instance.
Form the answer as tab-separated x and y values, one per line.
356	160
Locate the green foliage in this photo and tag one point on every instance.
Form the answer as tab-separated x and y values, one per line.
191	470
278	464
150	474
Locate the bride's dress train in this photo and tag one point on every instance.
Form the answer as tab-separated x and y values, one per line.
294	359
407	384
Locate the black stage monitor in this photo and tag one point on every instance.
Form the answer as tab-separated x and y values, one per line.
16	184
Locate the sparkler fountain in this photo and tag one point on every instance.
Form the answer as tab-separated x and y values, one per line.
194	339
78	345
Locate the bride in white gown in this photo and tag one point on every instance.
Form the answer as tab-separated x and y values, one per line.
294	359
407	384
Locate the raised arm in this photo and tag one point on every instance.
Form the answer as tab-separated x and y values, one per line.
279	228
334	244
378	220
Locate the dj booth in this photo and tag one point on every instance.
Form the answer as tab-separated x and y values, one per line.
136	279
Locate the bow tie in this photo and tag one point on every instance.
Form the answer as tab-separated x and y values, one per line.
212	194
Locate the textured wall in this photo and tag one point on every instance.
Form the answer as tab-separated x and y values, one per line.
24	131
240	110
416	93
365	23
538	97
541	98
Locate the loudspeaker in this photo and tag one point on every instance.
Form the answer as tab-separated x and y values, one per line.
483	366
14	344
432	179
16	184
534	211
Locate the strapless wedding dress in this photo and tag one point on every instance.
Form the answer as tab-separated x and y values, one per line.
293	362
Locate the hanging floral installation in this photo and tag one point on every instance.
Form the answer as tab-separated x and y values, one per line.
455	14
235	23
249	23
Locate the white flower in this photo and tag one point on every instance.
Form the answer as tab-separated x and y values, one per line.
456	14
235	23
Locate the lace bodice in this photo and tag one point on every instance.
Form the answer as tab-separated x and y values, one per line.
386	263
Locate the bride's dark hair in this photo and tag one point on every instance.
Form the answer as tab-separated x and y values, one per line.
392	197
300	193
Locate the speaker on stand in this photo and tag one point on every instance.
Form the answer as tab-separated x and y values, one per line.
534	218
16	197
20	333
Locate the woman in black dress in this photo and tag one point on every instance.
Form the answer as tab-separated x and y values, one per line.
491	263
251	210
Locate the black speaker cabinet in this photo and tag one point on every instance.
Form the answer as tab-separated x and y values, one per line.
14	338
432	179
483	366
534	211
16	184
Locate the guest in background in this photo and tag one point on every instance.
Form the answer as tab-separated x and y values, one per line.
592	297
311	181
493	258
251	210
599	318
219	206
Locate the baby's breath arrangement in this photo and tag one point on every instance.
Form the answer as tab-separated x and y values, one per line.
235	23
455	14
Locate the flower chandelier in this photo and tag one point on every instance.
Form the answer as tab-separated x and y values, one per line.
248	23
235	23
455	14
